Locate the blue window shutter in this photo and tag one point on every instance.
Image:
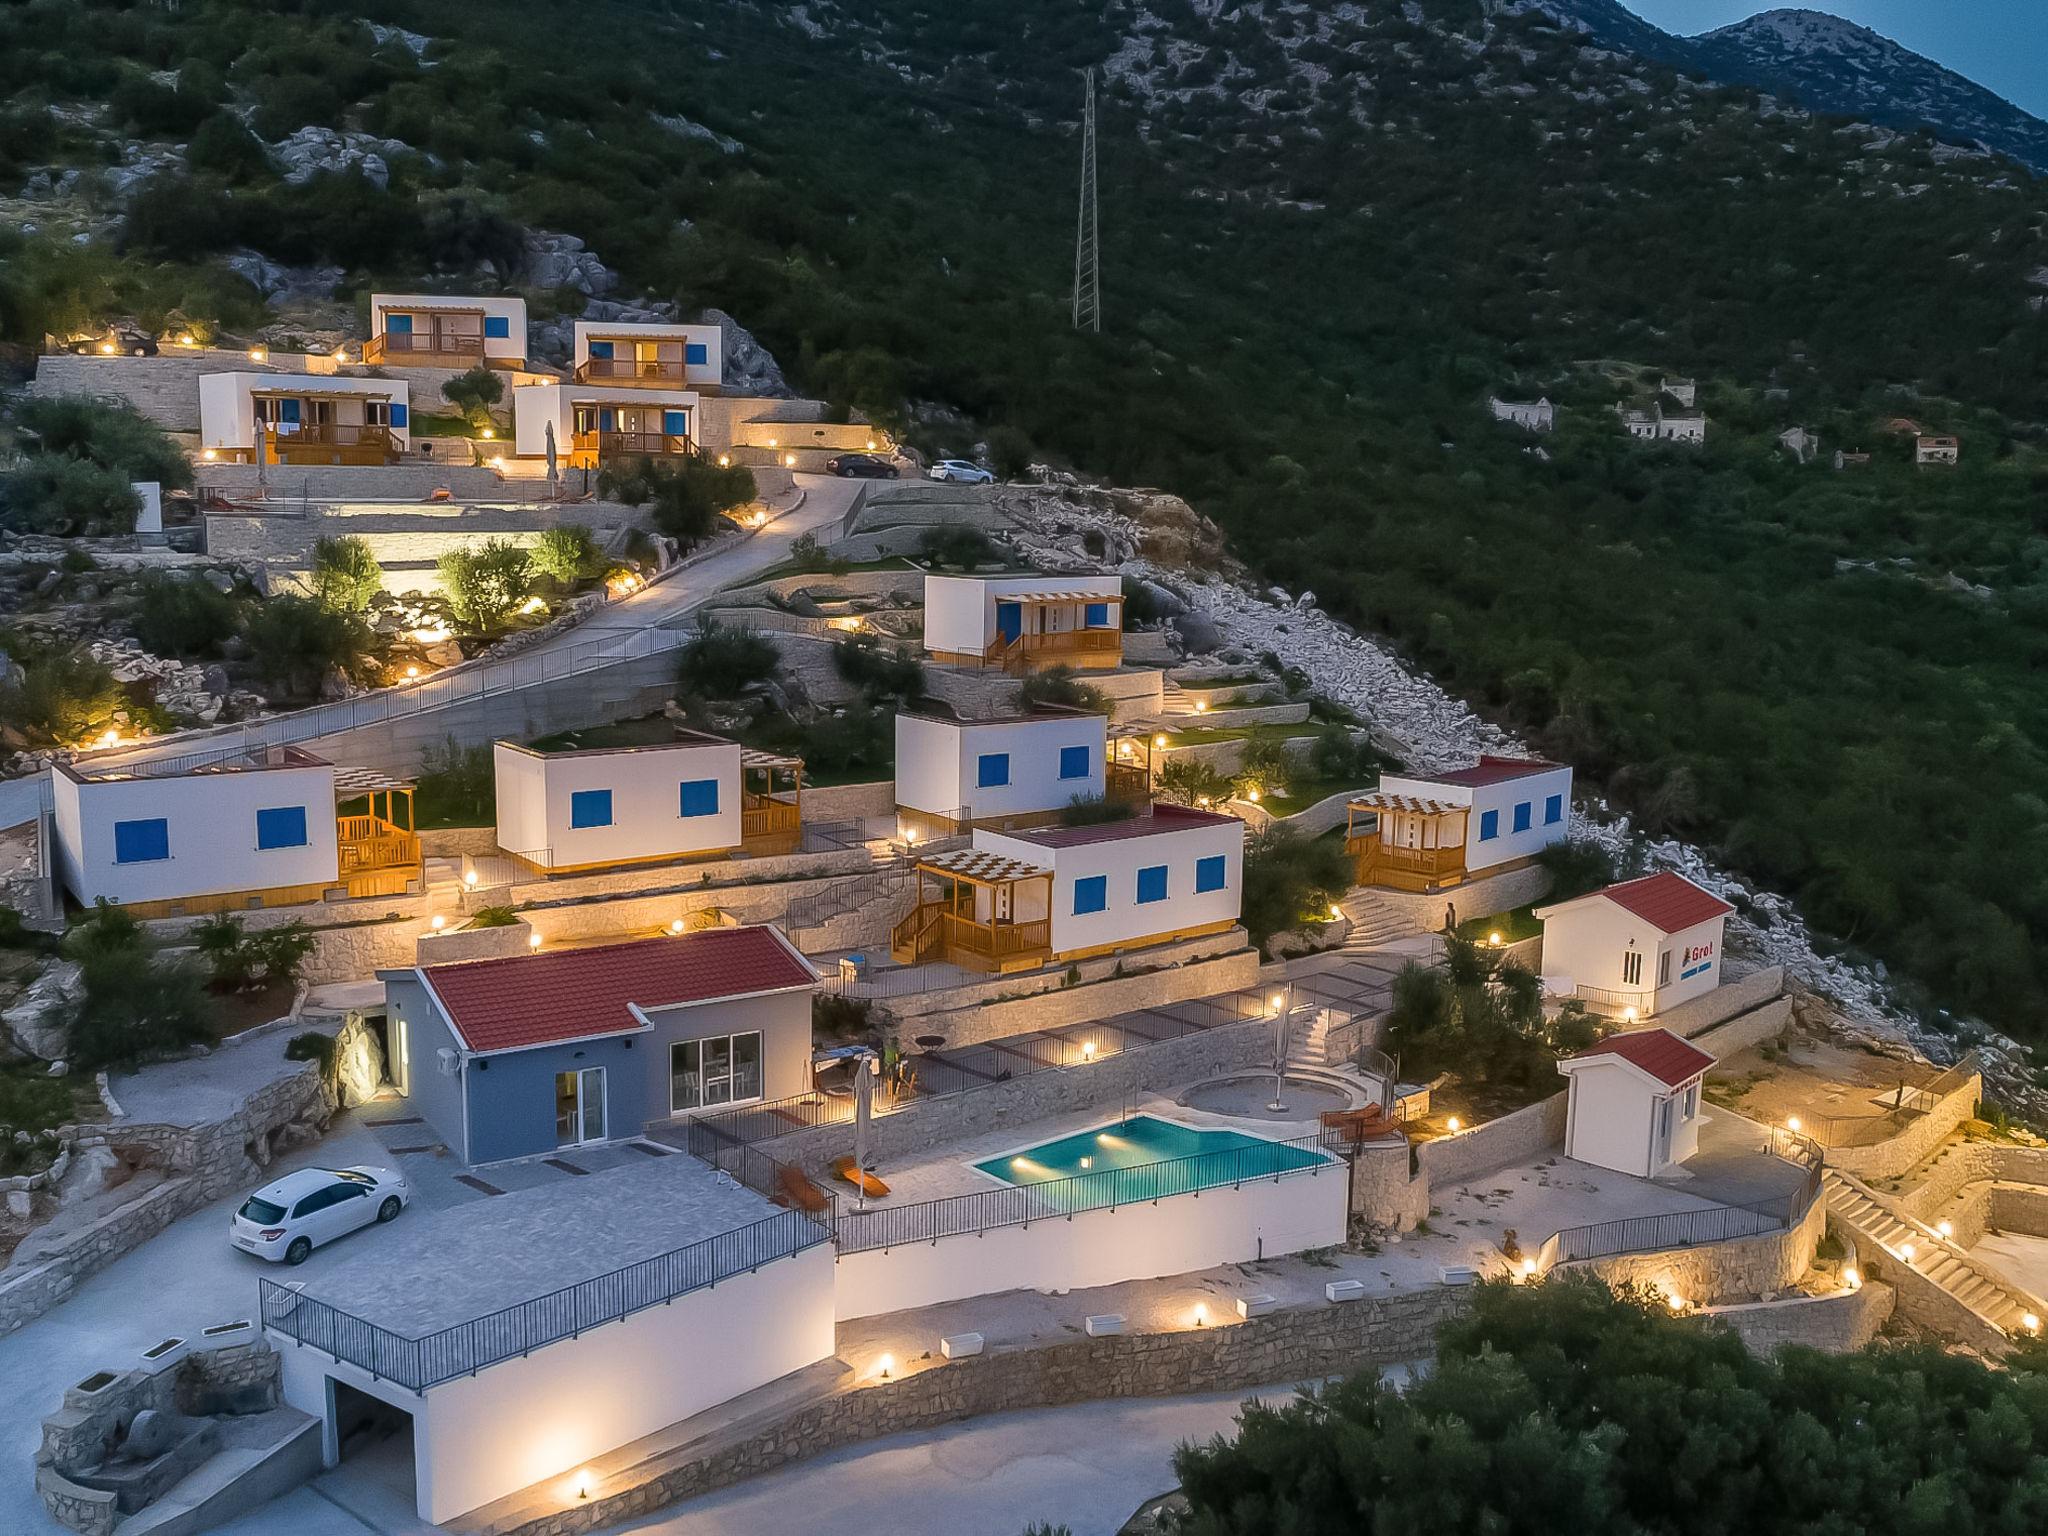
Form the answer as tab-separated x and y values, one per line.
1091	894
141	842
601	350
700	798
676	423
1553	810
590	808
993	771
604	418
1073	762
281	827
1522	812
400	416
1209	873
1152	883
288	410
497	327
1489	825
696	352
398	325
1098	615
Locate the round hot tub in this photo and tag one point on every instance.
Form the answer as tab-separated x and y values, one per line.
1246	1095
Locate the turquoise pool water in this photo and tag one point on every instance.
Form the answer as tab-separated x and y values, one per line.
1143	1158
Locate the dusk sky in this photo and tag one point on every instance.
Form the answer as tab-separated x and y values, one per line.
2000	44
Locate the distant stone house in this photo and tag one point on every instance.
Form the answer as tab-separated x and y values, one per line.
1800	443
1535	415
1655	425
1936	449
1903	426
1850	460
1684	391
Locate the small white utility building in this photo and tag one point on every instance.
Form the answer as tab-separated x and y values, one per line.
1020	766
603	420
670	356
429	330
593	808
1025	898
303	418
1433	831
1634	1102
1022	622
1637	948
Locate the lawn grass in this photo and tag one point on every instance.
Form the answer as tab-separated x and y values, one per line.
834	568
1202	736
1512	926
1303	793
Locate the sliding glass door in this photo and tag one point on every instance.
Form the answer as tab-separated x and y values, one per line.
720	1069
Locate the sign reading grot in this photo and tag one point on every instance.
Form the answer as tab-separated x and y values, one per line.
1698	958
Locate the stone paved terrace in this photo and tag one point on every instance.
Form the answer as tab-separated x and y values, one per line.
211	1087
479	1258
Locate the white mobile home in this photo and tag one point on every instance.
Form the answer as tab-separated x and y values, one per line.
1021	622
1434	831
245	832
1634	1102
603	420
1029	766
1637	948
1026	898
665	356
592	808
429	330
303	418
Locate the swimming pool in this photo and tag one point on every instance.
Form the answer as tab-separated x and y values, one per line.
1143	1158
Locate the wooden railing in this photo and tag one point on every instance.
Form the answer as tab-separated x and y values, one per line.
1405	869
407	345
630	445
369	842
917	938
952	934
656	370
1123	781
761	816
329	443
1018	654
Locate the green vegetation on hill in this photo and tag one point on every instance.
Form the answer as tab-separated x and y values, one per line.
1327	236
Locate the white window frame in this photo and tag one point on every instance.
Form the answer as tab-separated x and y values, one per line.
1632	968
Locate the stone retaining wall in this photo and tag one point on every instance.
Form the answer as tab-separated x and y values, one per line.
925	1123
1924	1303
1916	1139
1527	1133
1839	1324
164	388
1295	1344
1743	1266
1694	1018
1014	1005
1746	1030
1476	898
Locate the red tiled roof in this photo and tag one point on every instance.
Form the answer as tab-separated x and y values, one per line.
1665	901
1488	770
577	994
1152	823
1672	1061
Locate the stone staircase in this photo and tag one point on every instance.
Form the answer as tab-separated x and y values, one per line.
1308	1049
1173	699
1373	922
1876	1222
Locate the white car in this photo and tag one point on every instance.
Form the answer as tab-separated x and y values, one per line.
287	1220
960	472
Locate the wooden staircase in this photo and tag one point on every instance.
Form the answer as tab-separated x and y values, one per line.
1876	1222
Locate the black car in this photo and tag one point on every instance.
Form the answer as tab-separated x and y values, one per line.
861	466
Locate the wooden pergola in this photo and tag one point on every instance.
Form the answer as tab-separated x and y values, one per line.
1415	844
771	799
377	856
969	915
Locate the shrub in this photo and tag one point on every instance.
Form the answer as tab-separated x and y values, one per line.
1290	881
1009	451
1092	810
1188	782
1265	767
474	393
136	1004
294	643
184	616
720	663
1480	1016
1341	759
345	575
106	433
222	145
806	553
1059	687
1577	865
686	498
53	493
240	961
493	917
312	1046
566	554
879	672
457	786
484	583
63	700
839	1017
957	545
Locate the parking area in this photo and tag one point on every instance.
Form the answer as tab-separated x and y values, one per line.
441	1181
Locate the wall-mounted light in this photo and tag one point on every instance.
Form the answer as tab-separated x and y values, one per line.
533	941
258	355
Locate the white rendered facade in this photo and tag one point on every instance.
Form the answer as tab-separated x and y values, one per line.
1511	818
642	420
1001	767
435	328
683	356
567	810
1620	959
1621	1117
974	616
297	405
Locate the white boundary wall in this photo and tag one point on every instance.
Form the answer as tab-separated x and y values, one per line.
1229	1224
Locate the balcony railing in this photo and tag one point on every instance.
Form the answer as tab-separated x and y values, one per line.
1020	652
328	443
1123	781
764	817
1405	869
370	842
468	1347
409	346
932	931
633	445
631	370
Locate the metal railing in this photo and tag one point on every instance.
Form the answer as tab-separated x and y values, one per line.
1908	1104
468	1347
1048	1199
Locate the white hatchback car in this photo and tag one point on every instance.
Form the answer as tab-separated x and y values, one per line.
287	1220
960	472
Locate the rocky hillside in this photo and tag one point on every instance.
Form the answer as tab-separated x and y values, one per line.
1827	65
